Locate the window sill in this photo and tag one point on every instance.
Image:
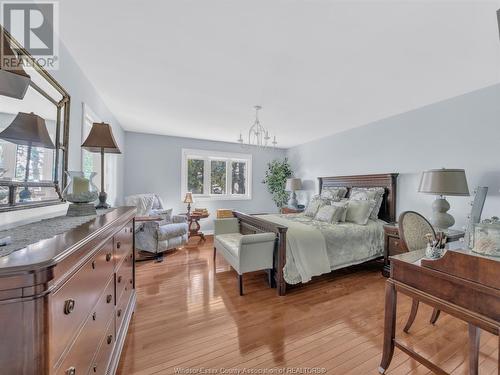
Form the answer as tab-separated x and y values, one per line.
224	198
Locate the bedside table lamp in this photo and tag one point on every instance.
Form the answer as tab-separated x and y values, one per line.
443	182
27	129
188	199
100	139
293	184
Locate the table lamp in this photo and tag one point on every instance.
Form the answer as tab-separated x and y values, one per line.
293	184
14	81
443	182
27	129
188	198
100	139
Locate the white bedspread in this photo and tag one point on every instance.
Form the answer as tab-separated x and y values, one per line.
315	248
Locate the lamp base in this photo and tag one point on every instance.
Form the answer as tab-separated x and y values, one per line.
102	201
292	202
441	219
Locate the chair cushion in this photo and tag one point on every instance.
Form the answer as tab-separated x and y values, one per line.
231	242
168	231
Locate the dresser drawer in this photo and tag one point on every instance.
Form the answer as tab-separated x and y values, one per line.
73	302
124	275
103	355
395	246
123	242
84	347
121	307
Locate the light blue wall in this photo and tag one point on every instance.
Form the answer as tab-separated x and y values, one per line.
81	90
462	132
153	165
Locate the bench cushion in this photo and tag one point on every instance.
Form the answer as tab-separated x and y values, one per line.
231	242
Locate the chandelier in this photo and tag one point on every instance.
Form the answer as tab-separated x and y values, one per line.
257	134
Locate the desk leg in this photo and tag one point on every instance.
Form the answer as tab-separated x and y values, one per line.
474	341
389	326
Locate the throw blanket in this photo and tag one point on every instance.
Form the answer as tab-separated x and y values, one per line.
306	254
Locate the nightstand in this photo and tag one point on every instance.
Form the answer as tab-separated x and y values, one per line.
393	245
288	210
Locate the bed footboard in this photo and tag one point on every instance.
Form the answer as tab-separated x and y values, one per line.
253	224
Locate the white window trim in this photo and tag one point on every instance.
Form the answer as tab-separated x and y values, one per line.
221	156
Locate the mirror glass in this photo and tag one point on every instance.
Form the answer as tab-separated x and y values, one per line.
34	166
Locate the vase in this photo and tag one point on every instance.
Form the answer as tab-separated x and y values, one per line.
80	192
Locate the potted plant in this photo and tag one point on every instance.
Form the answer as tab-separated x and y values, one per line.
276	174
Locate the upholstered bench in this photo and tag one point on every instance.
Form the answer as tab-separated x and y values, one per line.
244	252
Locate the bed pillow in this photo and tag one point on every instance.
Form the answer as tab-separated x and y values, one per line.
358	211
330	214
313	207
334	193
343	205
375	193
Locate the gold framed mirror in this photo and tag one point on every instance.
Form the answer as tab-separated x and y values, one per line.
34	130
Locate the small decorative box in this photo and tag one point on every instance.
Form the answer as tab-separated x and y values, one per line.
487	239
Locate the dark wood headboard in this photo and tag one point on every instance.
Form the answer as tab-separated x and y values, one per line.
387	180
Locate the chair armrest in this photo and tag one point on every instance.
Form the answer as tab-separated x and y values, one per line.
257	238
223	226
179	219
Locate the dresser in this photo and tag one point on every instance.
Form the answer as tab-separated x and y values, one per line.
66	302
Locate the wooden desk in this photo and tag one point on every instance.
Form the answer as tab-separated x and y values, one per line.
393	245
461	283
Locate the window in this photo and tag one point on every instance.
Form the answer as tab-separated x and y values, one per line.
91	161
216	175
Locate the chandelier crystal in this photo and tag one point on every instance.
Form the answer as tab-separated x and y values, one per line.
257	134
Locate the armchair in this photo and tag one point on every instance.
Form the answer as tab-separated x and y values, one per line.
158	236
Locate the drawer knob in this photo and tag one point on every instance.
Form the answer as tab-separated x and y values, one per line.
94	368
109	297
108	257
119	313
119	279
118	244
130	281
69	306
94	316
110	338
71	371
93	264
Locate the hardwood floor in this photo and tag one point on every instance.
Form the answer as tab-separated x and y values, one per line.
188	318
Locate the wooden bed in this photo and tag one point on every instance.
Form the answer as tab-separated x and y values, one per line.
254	224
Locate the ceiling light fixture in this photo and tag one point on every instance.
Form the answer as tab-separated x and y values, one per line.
257	134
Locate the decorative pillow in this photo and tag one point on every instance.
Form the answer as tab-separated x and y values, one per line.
318	197
330	214
313	207
358	211
334	193
363	194
343	205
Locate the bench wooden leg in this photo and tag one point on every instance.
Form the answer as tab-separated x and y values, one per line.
474	341
240	283
389	326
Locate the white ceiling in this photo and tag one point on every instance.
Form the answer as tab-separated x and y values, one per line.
195	68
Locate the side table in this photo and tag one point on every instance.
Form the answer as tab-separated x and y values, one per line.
194	224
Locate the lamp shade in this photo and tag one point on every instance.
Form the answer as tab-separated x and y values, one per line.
14	81
28	129
444	182
188	198
293	184
100	139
